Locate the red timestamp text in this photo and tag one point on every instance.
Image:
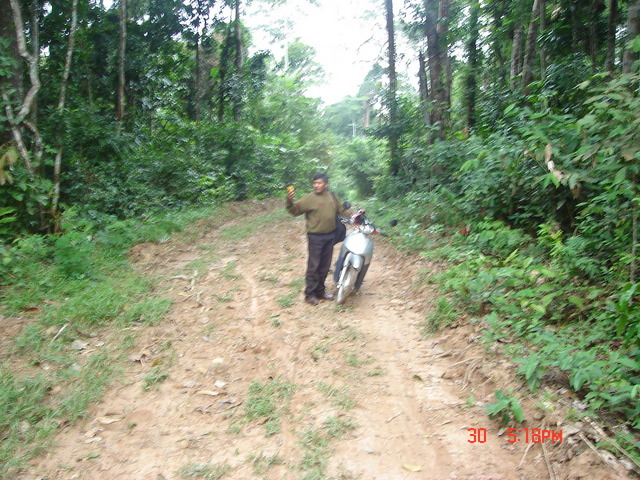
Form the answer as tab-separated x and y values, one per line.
534	435
477	435
526	435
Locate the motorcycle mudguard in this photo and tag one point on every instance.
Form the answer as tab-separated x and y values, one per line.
356	260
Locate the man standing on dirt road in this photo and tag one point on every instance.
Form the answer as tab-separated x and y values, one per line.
320	208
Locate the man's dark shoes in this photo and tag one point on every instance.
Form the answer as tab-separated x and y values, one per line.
311	300
326	296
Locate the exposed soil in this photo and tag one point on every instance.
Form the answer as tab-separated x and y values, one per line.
372	398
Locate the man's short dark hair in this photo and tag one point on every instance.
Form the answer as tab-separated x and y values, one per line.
321	176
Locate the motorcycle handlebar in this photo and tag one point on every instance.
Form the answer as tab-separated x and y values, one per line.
365	221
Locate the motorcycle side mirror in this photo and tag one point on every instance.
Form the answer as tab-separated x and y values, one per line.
347	205
393	223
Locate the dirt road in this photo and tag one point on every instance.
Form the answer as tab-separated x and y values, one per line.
243	380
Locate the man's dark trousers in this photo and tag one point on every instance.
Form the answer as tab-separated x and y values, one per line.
319	263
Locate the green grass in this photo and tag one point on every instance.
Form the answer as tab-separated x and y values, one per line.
352	360
349	333
275	320
337	427
319	350
268	278
262	463
444	315
205	472
337	396
286	301
30	414
200	266
229	271
315	455
158	372
154	378
267	402
121	301
226	298
316	445
159	228
75	285
296	285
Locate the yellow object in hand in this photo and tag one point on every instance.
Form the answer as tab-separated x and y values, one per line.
289	188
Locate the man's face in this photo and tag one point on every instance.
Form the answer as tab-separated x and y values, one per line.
319	186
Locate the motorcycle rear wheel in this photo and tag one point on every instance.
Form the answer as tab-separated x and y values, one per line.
348	282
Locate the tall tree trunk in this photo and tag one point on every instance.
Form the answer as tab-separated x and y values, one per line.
20	120
472	56
543	28
15	81
201	12
436	66
575	28
197	95
57	166
532	34
516	56
70	46
34	28
239	57
593	35
611	35
442	29
121	63
366	117
423	87
223	71
633	30
391	94
497	14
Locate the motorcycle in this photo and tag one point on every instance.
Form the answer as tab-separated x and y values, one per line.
355	255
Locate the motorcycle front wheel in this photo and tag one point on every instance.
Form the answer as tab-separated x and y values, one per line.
346	286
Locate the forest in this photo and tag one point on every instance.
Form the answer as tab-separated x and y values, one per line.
511	154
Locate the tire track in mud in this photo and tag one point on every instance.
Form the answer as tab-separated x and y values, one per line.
229	330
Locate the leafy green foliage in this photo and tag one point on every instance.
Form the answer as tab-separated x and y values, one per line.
505	408
547	255
359	164
537	295
175	147
628	325
444	315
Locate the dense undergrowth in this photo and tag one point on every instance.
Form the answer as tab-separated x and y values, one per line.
536	223
61	291
525	291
